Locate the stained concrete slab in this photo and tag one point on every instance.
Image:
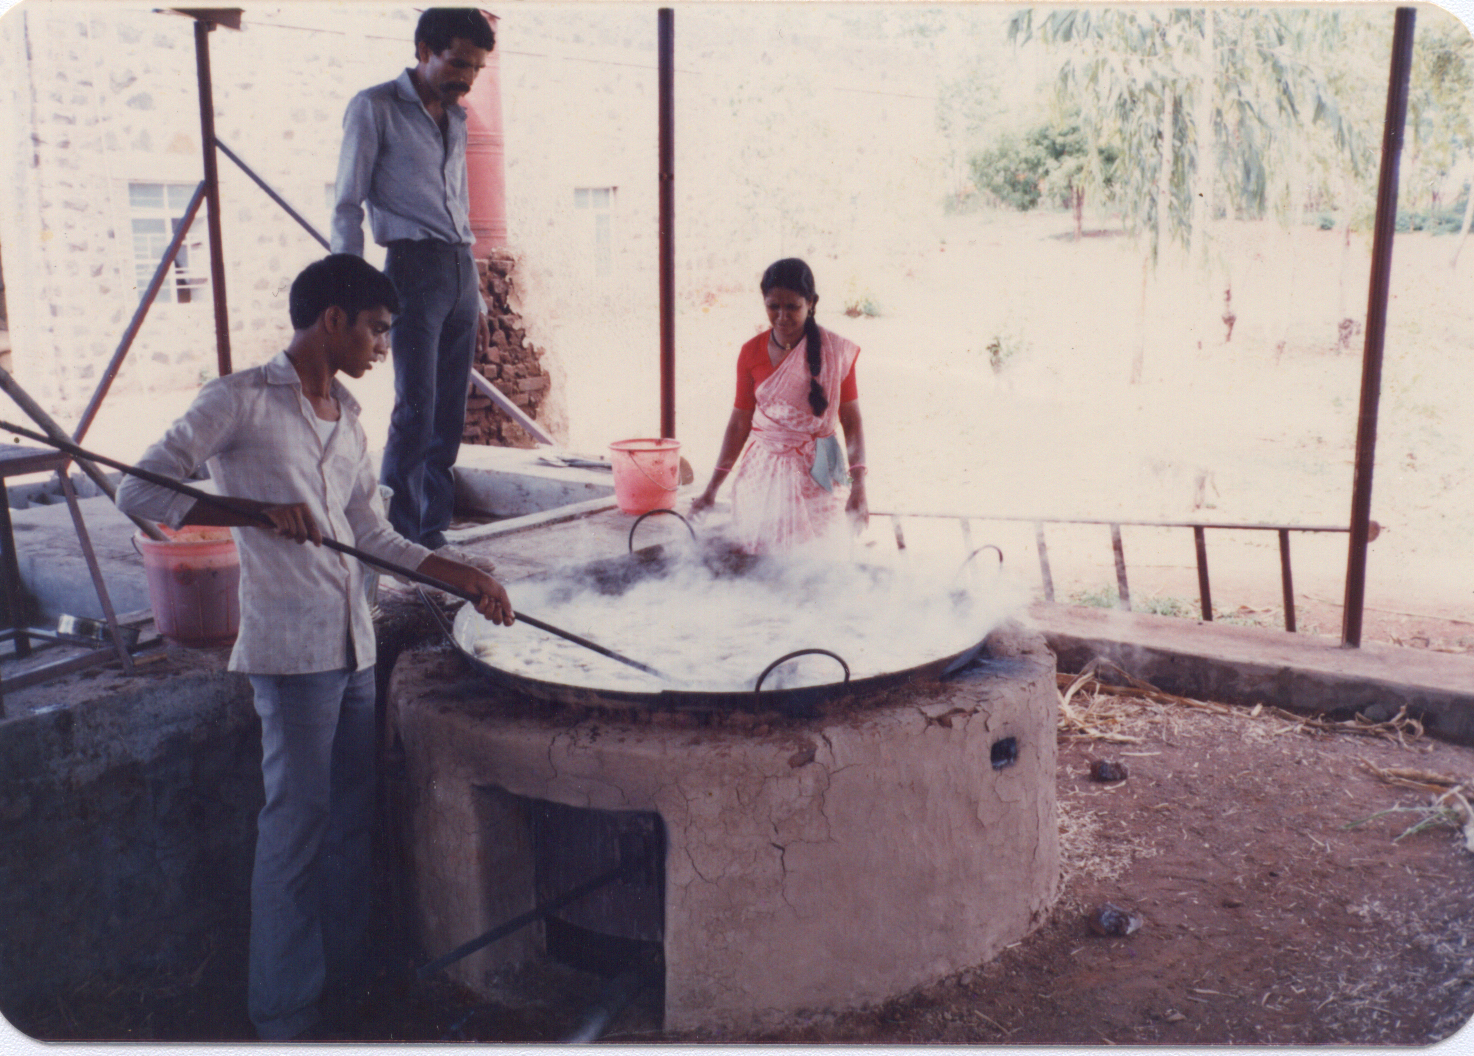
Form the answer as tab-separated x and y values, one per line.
513	482
1216	661
54	571
1252	665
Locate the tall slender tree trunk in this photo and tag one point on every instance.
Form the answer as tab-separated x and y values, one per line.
1151	265
1164	172
1203	143
1468	216
1139	356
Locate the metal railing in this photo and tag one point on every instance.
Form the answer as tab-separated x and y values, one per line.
1123	589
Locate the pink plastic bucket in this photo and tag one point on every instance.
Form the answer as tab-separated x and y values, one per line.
193	583
646	474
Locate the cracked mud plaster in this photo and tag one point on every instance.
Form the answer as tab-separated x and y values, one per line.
781	843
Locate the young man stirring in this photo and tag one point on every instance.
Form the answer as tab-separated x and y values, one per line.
284	440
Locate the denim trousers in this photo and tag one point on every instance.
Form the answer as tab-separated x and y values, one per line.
434	342
312	882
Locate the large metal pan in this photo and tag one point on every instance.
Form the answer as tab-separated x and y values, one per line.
615	576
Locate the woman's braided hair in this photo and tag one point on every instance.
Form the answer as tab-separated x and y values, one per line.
790	273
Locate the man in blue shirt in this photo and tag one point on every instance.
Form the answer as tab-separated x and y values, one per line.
404	156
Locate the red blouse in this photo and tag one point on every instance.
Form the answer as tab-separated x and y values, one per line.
754	367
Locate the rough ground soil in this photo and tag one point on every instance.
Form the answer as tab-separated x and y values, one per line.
1265	919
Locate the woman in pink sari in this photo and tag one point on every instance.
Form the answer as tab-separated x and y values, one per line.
795	382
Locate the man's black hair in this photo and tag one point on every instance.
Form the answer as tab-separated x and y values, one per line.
438	26
340	281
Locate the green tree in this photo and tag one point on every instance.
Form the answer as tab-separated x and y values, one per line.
1048	163
1013	170
1210	112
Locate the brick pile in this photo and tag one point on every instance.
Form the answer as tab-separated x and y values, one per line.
511	362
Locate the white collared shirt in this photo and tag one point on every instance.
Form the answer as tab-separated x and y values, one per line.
301	605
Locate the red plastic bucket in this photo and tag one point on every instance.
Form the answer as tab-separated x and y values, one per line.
646	474
194	585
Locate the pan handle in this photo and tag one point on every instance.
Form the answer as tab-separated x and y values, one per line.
651	513
440	619
979	550
799	652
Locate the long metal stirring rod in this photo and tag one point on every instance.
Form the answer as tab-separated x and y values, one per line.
225	503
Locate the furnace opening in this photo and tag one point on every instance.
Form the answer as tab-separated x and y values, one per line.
620	925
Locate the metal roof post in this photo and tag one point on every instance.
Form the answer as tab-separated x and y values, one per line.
1371	364
666	26
202	29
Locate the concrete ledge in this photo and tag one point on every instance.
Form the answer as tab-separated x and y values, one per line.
1251	665
512	482
54	571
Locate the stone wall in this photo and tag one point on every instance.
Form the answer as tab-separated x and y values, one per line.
127	811
511	362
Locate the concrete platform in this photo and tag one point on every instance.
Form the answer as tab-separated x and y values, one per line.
513	482
1246	665
1252	665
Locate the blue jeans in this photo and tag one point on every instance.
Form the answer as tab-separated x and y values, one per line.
312	882
434	343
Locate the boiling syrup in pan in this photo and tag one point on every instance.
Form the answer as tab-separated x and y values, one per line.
718	634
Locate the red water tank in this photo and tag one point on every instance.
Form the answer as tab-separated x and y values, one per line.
486	155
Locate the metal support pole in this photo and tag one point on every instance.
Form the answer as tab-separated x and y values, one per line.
1124	599
666	25
1376	326
202	30
273	195
1287	580
37	414
1044	574
1205	593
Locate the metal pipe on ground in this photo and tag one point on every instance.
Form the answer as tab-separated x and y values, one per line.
521	921
616	996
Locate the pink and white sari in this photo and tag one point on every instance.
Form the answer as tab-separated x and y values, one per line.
777	505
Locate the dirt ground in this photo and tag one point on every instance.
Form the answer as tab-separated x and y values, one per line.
1280	904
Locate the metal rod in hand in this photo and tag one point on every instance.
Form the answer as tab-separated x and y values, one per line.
227	503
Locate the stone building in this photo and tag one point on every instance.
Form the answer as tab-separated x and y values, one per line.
100	124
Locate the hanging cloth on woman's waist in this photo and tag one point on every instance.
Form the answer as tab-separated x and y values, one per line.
826	462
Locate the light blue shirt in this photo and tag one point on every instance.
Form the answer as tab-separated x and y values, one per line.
395	160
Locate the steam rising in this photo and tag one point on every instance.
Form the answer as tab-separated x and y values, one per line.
709	629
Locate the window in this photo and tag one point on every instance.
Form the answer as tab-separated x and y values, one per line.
157	210
598	204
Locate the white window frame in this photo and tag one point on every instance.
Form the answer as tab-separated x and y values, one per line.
153	219
597	203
